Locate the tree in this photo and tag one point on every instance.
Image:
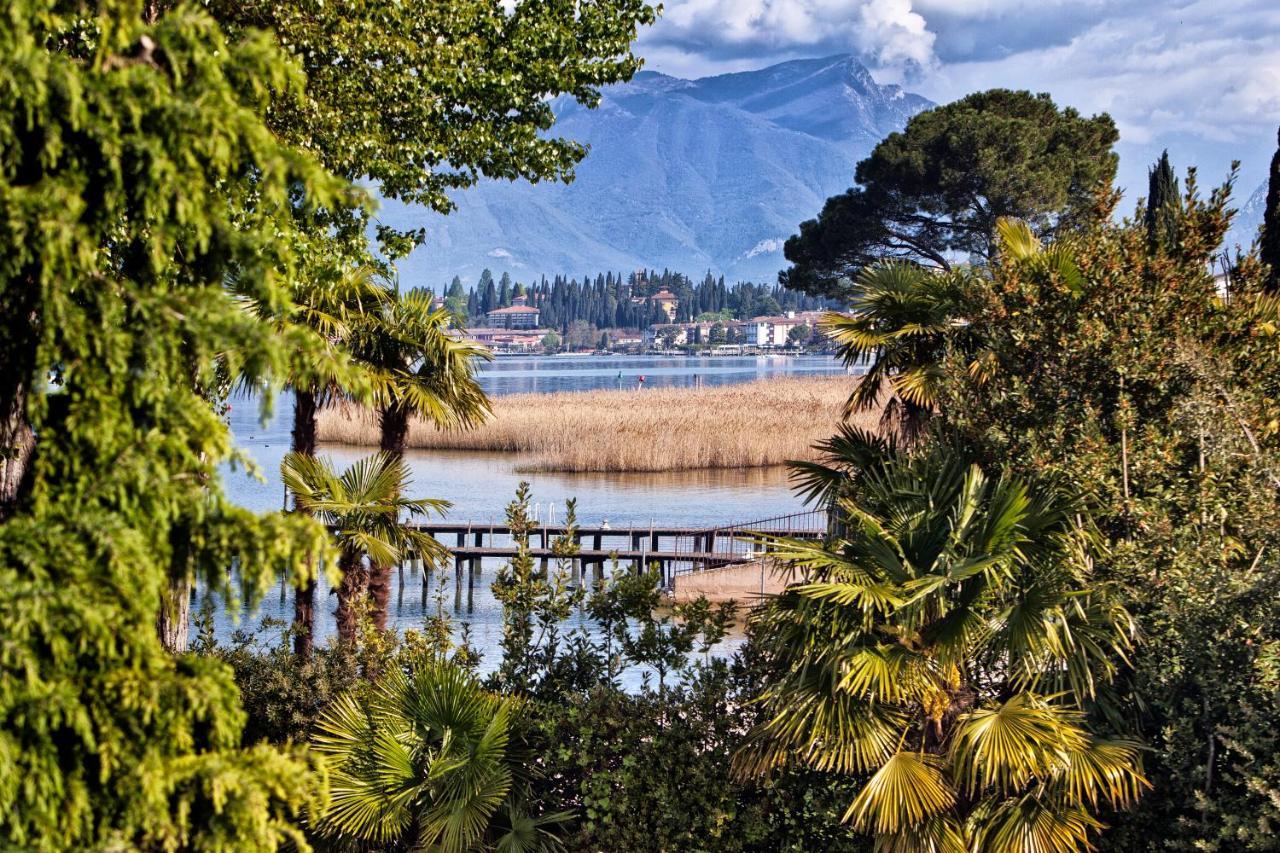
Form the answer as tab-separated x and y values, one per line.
119	332
898	327
950	641
1164	207
325	308
449	110
422	371
550	342
427	760
1269	245
456	298
363	505
799	335
1143	387
935	190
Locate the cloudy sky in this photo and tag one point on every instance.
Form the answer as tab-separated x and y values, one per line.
1200	77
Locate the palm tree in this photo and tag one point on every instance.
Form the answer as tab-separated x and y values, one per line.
364	506
315	325
425	761
324	314
949	642
424	372
902	316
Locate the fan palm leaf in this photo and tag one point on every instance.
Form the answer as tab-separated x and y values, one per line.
423	758
948	638
364	507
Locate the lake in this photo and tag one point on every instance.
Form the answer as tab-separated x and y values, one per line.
480	485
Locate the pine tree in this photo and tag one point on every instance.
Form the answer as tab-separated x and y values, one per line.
1269	250
1164	207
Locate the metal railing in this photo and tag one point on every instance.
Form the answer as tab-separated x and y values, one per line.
741	542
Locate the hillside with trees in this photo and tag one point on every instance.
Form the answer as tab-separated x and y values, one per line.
612	300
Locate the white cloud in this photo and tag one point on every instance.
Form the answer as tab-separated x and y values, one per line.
1199	76
724	33
1209	70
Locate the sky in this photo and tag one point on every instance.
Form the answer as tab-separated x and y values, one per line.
1198	77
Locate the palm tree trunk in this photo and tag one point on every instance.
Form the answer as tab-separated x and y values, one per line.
304	599
394	422
354	586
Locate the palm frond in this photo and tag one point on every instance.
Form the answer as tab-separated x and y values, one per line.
907	790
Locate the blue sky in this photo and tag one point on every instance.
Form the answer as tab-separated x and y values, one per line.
1199	78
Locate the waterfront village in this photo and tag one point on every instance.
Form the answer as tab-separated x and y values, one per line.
517	329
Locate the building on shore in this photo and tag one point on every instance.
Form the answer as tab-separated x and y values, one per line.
506	341
664	299
520	315
775	332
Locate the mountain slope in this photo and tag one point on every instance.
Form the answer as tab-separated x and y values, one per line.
688	174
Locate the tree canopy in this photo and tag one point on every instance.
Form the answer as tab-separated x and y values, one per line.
176	180
422	97
934	191
137	179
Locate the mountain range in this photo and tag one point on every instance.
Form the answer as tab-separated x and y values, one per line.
692	175
1244	228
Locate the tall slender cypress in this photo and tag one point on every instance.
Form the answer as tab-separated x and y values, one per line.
1269	250
1164	206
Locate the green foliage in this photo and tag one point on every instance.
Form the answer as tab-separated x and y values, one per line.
424	758
1269	239
901	321
1164	207
467	95
283	695
948	642
363	505
534	604
1136	380
139	189
937	188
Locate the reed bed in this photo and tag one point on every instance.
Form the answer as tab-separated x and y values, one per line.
753	424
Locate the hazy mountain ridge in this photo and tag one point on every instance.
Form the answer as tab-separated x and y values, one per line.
700	174
1248	219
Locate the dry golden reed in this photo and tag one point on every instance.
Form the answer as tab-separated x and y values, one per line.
752	424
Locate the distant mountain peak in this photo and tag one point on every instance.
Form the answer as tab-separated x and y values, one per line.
709	173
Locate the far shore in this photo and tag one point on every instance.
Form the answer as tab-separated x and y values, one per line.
747	425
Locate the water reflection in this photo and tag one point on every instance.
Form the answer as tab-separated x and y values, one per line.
481	484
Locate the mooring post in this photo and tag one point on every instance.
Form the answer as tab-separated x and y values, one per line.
595	542
457	585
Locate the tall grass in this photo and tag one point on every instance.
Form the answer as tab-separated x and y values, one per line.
751	424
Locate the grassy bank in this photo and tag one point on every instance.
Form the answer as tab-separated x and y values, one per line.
660	429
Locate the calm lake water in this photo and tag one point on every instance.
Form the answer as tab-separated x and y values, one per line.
480	485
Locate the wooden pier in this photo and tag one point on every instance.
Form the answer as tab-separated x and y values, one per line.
671	548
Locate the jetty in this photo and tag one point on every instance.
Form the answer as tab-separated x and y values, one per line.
674	549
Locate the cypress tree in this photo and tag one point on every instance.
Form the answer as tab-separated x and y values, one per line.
1269	250
1164	206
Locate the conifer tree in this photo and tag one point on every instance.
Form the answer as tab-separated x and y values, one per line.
140	194
1269	251
1164	207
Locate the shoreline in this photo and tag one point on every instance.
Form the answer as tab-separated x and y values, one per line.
758	424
